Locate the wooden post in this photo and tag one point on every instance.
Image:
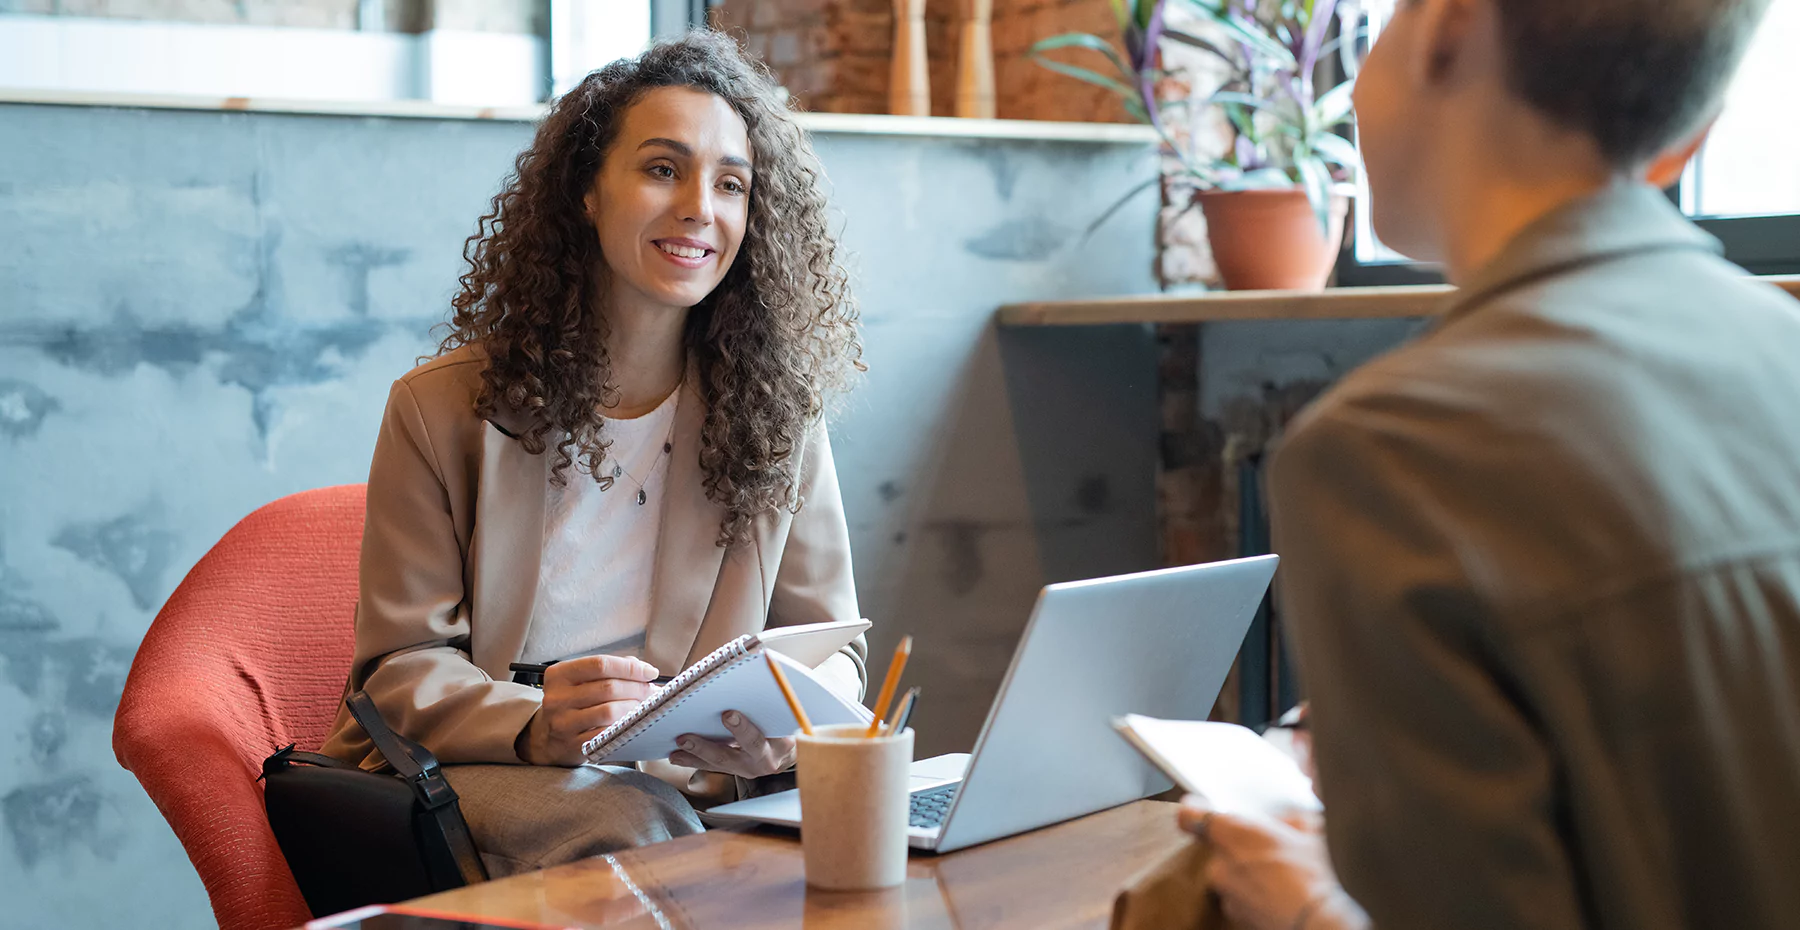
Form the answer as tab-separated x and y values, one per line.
909	83
975	61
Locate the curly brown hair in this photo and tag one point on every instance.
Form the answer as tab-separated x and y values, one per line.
774	343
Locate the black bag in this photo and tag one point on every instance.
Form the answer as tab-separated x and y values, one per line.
354	838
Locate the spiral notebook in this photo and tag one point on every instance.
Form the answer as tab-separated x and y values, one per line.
735	677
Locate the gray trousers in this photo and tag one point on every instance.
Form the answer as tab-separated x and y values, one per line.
529	817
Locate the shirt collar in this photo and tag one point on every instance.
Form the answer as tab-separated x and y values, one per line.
1623	219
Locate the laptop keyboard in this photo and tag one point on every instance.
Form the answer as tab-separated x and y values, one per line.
930	805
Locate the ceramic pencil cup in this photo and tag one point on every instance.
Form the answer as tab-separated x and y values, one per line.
854	807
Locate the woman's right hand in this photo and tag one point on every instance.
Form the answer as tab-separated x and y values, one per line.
582	697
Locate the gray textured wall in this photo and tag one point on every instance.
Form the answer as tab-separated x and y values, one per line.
1246	364
200	312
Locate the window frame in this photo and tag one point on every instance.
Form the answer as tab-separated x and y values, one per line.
1761	245
1767	244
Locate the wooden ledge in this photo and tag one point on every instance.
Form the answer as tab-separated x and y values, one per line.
817	123
1338	303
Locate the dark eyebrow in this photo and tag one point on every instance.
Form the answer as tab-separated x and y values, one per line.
679	148
687	151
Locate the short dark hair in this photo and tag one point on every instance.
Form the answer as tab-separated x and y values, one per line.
1637	75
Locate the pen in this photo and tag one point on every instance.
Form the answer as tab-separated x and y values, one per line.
532	673
902	712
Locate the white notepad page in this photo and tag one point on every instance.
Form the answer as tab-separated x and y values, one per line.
1236	771
734	677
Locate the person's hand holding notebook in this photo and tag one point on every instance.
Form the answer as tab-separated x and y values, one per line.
732	678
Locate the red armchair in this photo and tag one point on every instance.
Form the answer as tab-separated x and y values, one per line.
248	655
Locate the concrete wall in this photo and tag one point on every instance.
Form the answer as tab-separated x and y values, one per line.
201	312
1248	365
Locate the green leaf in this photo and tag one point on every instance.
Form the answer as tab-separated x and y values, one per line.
1260	179
1265	45
1337	41
1117	204
1316	178
1092	77
1252	34
1337	149
1195	41
1087	41
1284	111
1145	10
1241	99
1335	106
1241	121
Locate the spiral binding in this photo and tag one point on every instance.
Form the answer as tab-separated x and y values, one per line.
745	646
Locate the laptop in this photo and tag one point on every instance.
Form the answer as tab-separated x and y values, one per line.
1154	643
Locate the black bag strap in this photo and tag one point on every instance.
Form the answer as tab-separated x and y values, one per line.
288	755
454	862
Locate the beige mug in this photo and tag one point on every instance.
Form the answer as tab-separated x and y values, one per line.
854	806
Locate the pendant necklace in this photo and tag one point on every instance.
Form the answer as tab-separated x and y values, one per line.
668	446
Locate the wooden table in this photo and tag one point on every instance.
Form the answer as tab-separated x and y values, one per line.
1059	877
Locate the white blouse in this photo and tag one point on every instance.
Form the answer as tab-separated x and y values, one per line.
593	592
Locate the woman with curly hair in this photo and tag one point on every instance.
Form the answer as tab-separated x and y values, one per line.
618	455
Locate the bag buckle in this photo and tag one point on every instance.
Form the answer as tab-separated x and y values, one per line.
433	789
277	761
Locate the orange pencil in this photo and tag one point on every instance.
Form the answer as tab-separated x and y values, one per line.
788	692
901	652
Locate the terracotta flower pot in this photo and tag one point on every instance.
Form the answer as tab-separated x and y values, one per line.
1270	239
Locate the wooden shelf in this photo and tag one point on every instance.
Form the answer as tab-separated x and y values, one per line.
1340	303
834	123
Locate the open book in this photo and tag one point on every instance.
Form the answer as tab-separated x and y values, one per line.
736	677
1236	771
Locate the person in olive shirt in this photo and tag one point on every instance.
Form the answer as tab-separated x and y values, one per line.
1543	563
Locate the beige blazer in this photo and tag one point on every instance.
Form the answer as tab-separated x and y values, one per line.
449	571
1543	571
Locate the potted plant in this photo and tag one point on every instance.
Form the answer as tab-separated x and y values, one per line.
1275	200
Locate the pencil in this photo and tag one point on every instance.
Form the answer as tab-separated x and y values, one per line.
901	652
788	692
902	710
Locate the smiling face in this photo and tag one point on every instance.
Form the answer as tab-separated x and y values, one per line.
672	197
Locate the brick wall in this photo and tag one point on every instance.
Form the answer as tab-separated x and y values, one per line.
1028	90
834	55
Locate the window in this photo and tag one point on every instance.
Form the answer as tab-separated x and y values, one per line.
495	53
1743	187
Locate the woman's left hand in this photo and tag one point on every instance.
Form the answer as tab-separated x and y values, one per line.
750	754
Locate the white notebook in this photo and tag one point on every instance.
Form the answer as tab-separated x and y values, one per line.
1235	770
735	677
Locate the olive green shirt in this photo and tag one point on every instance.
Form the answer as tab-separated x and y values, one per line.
1543	570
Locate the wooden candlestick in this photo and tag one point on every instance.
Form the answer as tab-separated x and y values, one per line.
975	61
909	83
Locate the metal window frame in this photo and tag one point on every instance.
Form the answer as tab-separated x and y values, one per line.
1762	245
